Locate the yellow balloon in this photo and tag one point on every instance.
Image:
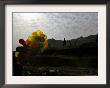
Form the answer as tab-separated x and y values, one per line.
30	38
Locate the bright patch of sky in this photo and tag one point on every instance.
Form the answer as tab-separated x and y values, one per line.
55	25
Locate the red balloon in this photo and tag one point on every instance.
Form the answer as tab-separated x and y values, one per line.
21	41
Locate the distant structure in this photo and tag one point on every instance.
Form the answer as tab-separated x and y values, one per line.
73	43
70	43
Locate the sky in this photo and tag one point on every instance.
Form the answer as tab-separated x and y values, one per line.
55	25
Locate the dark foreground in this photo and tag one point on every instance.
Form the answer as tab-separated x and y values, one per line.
63	63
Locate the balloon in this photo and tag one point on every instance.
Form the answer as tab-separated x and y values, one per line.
38	32
34	34
45	44
28	42
21	41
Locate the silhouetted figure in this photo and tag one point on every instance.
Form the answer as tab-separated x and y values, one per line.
64	42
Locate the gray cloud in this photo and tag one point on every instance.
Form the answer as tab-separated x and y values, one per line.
55	25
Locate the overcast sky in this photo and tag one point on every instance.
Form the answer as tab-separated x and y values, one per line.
55	25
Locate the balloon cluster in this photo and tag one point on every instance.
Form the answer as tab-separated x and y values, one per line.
37	40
